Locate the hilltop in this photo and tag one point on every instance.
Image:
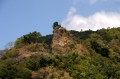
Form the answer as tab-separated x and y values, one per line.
64	55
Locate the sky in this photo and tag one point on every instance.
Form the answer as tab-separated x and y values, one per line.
19	17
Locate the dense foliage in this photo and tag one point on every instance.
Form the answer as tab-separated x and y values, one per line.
56	25
32	38
28	39
102	63
105	42
55	66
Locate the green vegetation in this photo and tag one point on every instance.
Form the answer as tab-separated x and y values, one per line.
28	39
55	66
103	62
56	25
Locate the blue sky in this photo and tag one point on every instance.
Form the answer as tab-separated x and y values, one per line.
19	17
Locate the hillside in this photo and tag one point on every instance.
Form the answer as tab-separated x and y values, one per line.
64	55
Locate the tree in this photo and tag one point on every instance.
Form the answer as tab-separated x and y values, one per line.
55	24
104	51
33	37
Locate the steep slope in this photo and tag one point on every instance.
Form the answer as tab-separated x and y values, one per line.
61	41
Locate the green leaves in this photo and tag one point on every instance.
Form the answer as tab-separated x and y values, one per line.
104	51
56	25
10	70
55	66
33	37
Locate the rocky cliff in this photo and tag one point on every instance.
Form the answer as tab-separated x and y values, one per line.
63	42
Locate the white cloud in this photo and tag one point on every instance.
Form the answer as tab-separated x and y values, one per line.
96	21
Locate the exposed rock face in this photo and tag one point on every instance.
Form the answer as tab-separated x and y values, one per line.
62	41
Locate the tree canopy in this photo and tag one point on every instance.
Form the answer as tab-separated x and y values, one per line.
56	25
32	37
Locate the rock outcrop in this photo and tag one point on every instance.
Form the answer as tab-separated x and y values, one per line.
62	41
